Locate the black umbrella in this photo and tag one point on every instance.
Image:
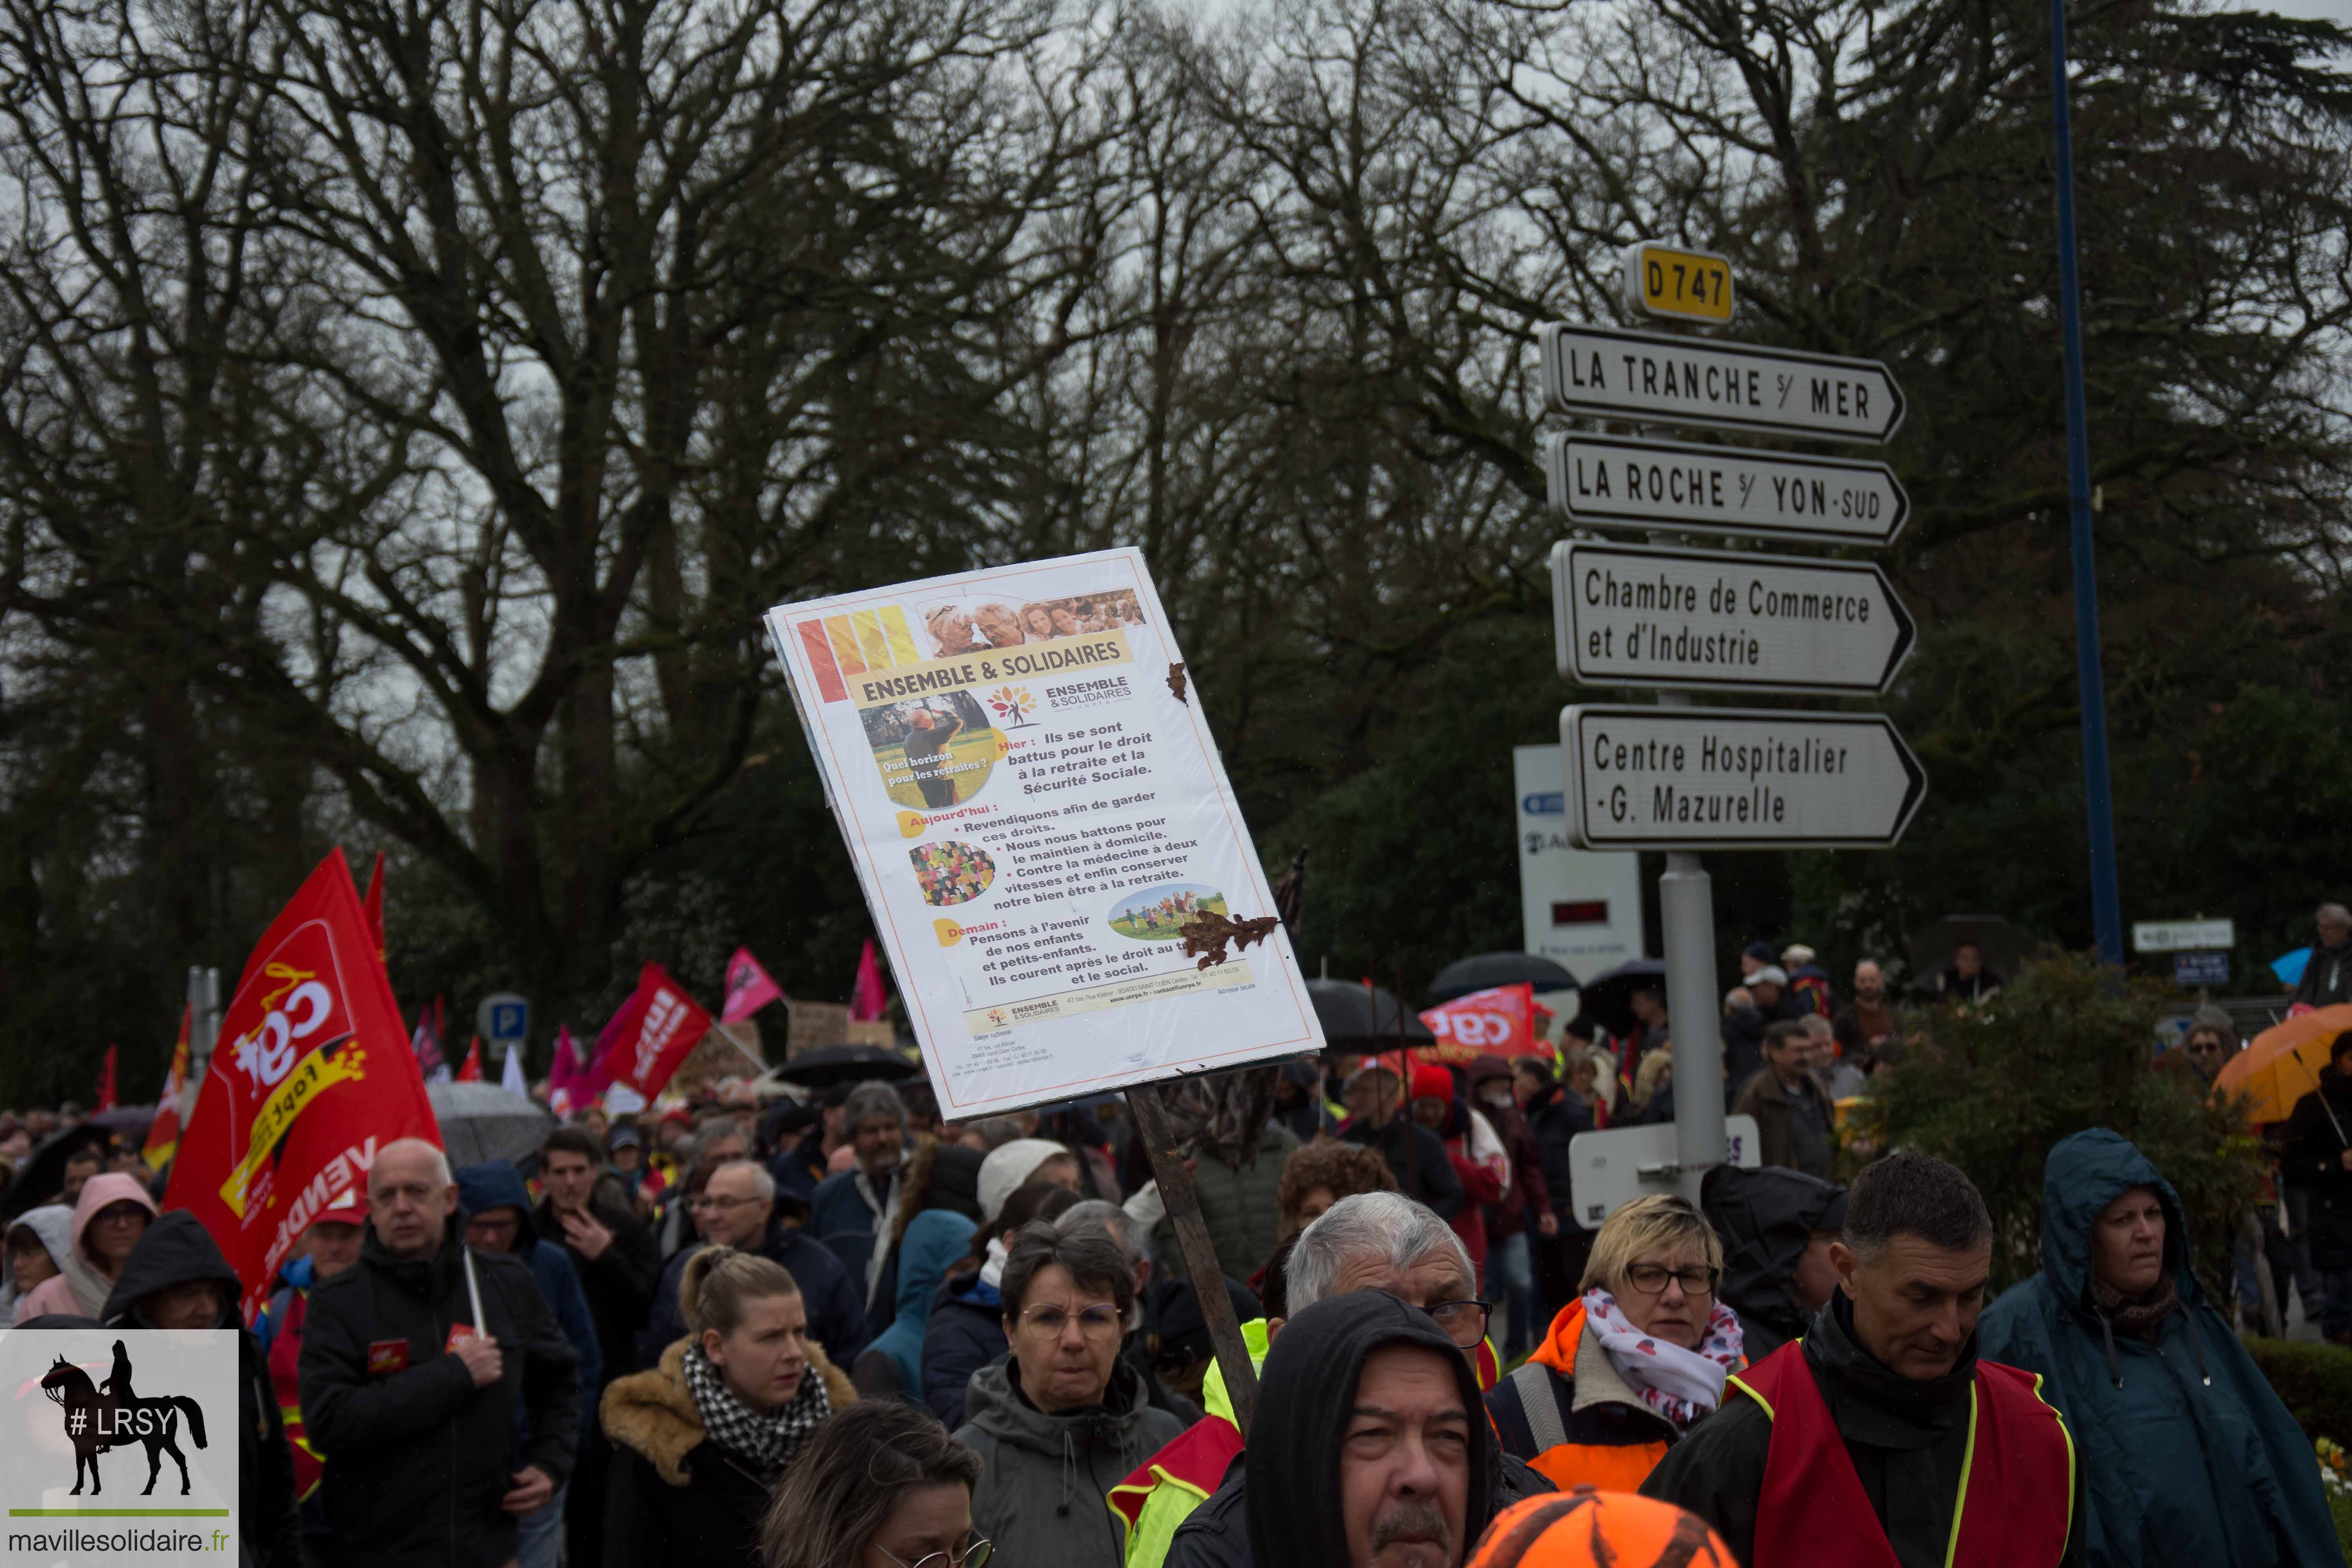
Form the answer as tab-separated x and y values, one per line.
1361	1018
829	1064
43	1175
1489	970
1610	998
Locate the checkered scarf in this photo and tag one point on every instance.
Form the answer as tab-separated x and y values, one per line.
768	1441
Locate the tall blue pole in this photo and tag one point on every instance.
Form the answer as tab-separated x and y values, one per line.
2098	806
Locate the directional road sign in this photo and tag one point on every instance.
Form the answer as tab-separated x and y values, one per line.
1618	480
1674	284
2181	936
1610	374
1625	614
1735	778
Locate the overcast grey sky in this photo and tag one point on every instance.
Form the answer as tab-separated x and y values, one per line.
2336	11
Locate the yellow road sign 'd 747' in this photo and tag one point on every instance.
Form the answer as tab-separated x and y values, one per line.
1676	285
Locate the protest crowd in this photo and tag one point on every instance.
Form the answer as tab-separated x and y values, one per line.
824	1329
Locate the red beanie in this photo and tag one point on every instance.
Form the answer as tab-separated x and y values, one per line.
1430	1081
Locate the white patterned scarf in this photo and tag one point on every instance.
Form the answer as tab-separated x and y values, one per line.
1679	1385
767	1441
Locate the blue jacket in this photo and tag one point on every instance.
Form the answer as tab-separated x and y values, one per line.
838	1217
966	1332
2187	1456
837	1309
798	1169
495	1183
934	1240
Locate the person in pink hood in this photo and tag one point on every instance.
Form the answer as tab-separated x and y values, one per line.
110	1216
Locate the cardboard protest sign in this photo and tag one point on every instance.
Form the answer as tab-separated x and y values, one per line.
312	1075
1044	830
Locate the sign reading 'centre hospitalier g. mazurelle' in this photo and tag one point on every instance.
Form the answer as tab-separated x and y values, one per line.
1610	374
1735	778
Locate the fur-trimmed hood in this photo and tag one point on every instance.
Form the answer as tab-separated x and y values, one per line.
652	1413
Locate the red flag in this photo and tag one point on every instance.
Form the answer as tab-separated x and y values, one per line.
311	1079
426	1042
652	1033
106	1079
374	903
470	1069
163	1133
1496	1023
749	989
564	1073
868	1001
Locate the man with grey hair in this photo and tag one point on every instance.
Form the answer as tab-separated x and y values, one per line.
2328	976
850	1208
737	1208
416	1397
1373	1241
1877	1419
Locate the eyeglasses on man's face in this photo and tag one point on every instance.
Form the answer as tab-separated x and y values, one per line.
704	1202
1463	1321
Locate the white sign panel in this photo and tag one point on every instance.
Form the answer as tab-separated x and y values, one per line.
1610	1168
1037	812
1579	907
1627	614
1610	373
2183	936
1620	481
1734	778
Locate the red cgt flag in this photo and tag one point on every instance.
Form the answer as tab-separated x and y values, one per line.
1496	1023
653	1033
312	1075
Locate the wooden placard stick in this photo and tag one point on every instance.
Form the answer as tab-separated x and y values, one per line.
1183	1202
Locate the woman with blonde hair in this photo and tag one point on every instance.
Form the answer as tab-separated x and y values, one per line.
1633	1361
700	1441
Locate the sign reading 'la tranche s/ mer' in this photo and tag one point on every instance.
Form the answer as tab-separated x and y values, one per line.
1612	374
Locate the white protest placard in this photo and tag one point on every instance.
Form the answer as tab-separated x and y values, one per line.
1037	812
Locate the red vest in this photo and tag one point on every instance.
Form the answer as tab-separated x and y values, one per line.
2016	1504
285	1362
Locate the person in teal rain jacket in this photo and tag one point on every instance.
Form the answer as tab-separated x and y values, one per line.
2187	1456
935	1241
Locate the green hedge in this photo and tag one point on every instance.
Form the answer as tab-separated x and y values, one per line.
2315	1381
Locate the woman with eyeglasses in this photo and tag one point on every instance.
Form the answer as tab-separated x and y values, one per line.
1064	1418
882	1486
1631	1363
700	1441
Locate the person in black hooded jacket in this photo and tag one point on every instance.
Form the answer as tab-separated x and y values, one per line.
1777	1225
417	1425
1319	1496
176	1279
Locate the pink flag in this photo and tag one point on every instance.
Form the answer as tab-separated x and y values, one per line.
652	1033
868	1001
749	989
564	1073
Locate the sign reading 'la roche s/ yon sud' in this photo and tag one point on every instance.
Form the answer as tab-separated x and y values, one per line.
1610	374
1735	778
1734	490
1630	615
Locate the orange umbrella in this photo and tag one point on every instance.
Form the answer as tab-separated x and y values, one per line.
2282	1064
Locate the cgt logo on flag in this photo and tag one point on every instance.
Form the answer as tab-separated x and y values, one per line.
109	1400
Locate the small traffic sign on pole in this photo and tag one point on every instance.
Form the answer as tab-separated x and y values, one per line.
1610	373
1737	490
2180	936
1735	778
1628	615
503	1018
1675	284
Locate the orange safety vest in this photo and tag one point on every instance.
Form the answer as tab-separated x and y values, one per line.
2020	1469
